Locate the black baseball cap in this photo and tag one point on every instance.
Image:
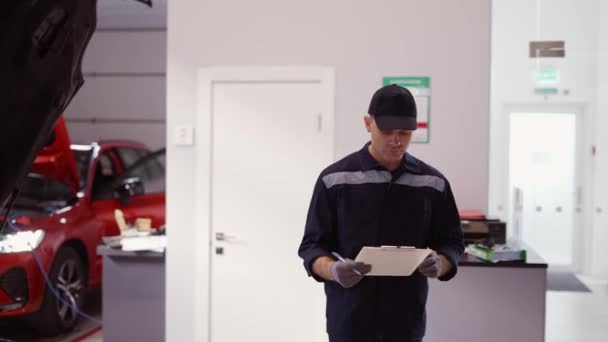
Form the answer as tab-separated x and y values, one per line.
393	107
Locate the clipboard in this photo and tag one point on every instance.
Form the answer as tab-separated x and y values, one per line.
392	260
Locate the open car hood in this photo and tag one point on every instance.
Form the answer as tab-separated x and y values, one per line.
42	43
56	159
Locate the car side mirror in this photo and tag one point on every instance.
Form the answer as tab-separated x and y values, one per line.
129	187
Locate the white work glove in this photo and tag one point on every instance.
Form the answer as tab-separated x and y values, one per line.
431	266
348	272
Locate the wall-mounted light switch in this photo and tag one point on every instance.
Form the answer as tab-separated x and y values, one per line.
184	135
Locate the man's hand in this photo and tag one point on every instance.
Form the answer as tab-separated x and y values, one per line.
348	272
431	266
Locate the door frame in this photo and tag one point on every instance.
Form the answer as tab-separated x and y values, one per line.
207	78
499	194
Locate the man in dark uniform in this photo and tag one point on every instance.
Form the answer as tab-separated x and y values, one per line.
377	196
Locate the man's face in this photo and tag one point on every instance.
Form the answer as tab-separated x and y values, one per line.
389	146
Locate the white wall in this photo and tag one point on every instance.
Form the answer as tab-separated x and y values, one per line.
364	41
600	180
577	23
125	77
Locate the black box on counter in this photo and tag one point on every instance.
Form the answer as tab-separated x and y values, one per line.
488	232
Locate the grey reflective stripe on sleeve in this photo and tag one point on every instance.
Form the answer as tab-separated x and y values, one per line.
422	181
356	177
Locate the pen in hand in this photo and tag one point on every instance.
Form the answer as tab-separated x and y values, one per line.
339	257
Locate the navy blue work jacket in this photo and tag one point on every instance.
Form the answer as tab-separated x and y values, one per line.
356	203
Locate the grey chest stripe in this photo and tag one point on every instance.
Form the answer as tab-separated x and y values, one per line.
422	181
357	177
375	176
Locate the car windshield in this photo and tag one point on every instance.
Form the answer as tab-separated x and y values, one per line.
83	162
150	169
39	192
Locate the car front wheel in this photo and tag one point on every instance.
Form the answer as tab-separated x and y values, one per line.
68	278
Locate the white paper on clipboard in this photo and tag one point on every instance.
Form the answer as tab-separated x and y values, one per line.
392	260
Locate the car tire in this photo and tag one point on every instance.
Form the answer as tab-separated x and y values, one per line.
68	277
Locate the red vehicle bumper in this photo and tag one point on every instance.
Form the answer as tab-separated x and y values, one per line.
21	284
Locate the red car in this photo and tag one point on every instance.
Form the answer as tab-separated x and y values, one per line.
65	206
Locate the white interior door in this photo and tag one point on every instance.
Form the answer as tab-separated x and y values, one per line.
270	140
542	165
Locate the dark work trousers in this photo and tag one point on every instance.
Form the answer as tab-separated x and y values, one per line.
337	339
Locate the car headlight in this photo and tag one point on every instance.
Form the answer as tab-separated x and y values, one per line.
19	242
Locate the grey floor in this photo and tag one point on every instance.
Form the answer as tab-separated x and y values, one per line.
578	316
565	281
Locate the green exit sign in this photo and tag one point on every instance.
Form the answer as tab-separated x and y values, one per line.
547	77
